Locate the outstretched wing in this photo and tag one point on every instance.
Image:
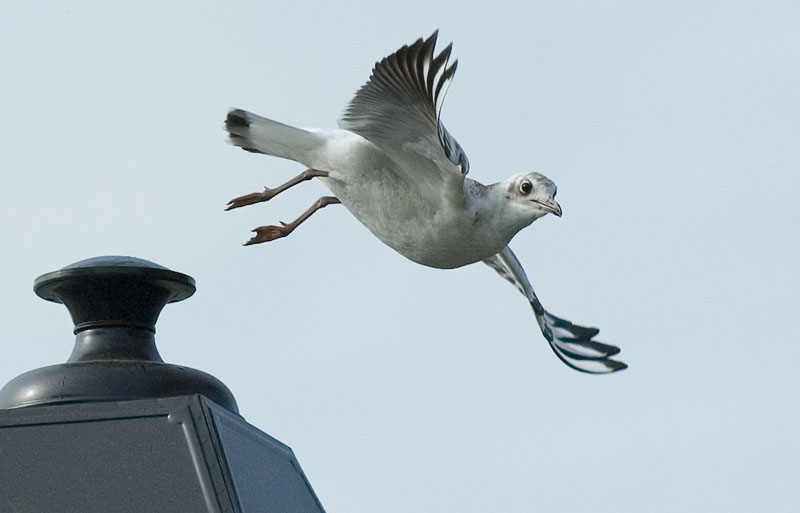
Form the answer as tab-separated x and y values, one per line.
572	344
398	111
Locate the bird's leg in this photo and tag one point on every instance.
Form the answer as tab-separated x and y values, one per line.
267	194
272	232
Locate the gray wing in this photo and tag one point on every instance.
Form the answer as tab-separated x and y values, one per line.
572	344
398	111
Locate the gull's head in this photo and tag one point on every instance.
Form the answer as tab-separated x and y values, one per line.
532	195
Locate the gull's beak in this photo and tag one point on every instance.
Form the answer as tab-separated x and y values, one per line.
549	205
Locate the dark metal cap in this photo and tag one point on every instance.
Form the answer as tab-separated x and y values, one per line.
114	302
114	291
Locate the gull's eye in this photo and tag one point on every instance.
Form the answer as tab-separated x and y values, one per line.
525	187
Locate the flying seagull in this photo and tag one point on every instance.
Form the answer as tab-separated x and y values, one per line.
396	168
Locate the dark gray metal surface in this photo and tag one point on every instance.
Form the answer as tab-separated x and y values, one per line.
182	454
255	459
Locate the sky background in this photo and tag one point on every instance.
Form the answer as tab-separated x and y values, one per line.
670	128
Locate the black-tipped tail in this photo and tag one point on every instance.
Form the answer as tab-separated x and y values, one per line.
257	134
238	126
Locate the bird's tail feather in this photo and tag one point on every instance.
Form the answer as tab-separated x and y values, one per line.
261	135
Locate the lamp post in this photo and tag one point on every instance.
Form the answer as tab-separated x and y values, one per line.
117	429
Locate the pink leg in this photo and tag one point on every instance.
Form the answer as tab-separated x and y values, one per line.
267	194
272	232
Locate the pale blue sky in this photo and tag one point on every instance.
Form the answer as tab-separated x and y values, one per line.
671	129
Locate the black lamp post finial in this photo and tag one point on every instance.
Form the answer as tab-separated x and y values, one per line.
114	303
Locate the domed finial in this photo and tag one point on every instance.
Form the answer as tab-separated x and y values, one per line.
114	291
114	303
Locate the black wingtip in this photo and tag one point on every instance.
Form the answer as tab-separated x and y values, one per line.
615	366
446	52
585	366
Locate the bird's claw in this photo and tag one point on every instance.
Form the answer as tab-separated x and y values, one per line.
268	233
251	199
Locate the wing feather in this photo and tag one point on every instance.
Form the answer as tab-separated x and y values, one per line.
398	110
572	344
